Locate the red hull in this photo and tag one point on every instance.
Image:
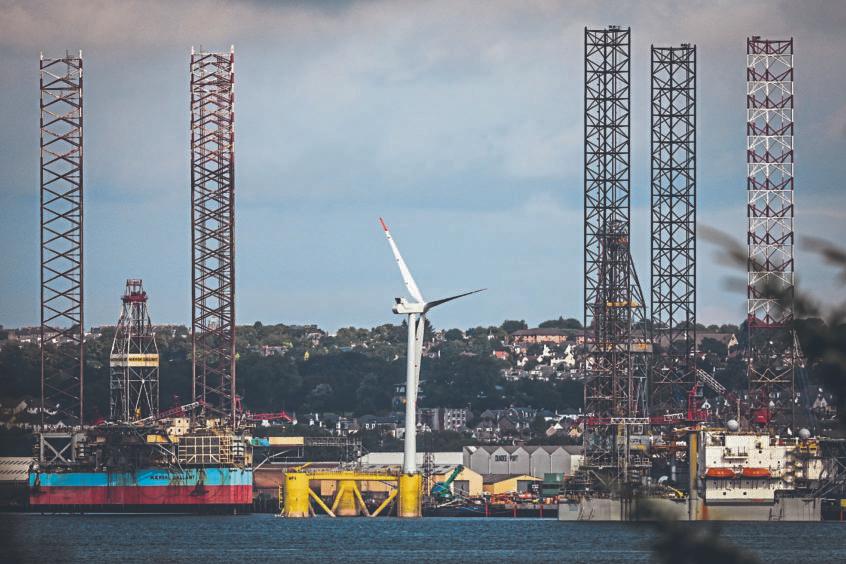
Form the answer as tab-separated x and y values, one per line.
142	495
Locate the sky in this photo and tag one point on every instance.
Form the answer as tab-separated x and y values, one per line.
459	122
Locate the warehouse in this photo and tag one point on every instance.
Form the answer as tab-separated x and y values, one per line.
496	484
531	460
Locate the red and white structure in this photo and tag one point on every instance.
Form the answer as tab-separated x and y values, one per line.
134	360
770	212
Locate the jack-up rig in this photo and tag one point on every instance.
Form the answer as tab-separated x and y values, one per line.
192	457
649	429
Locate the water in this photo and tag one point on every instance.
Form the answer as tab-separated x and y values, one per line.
265	538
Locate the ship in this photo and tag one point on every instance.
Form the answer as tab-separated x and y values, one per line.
216	489
173	466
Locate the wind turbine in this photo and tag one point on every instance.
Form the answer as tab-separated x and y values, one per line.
416	312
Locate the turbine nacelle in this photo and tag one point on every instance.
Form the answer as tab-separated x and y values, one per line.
404	307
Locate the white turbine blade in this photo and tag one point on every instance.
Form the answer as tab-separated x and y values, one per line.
434	303
406	274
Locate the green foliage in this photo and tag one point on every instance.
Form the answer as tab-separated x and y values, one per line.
511	325
351	381
268	383
444	441
566	394
561	323
459	381
358	382
713	346
454	335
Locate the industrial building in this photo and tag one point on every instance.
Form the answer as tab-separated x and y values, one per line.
536	461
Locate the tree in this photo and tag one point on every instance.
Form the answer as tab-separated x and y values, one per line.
561	323
539	425
713	346
454	335
511	325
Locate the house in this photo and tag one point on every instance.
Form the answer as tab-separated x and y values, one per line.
311	419
267	350
444	418
502	354
385	424
516	422
544	335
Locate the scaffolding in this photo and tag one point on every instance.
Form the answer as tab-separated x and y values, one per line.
62	334
213	231
673	139
772	355
134	360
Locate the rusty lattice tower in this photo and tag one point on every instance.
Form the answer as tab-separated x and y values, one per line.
134	360
769	186
673	77
213	230
62	337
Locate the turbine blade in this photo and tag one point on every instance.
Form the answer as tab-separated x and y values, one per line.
434	303
406	274
418	349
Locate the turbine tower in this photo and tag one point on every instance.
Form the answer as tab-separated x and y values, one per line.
415	311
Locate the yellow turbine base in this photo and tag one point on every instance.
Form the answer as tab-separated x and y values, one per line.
347	505
410	496
296	495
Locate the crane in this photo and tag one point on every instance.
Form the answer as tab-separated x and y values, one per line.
441	490
249	416
172	412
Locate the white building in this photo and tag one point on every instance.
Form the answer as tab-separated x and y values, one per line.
530	460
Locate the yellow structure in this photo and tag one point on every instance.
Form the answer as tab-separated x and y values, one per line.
297	493
286	441
410	496
346	500
503	484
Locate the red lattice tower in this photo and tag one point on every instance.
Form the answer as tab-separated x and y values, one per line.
213	230
62	336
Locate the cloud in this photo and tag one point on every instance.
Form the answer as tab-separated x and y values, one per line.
460	120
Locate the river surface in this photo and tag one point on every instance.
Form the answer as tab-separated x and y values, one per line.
266	538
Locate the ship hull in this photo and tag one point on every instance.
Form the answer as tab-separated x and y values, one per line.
213	489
